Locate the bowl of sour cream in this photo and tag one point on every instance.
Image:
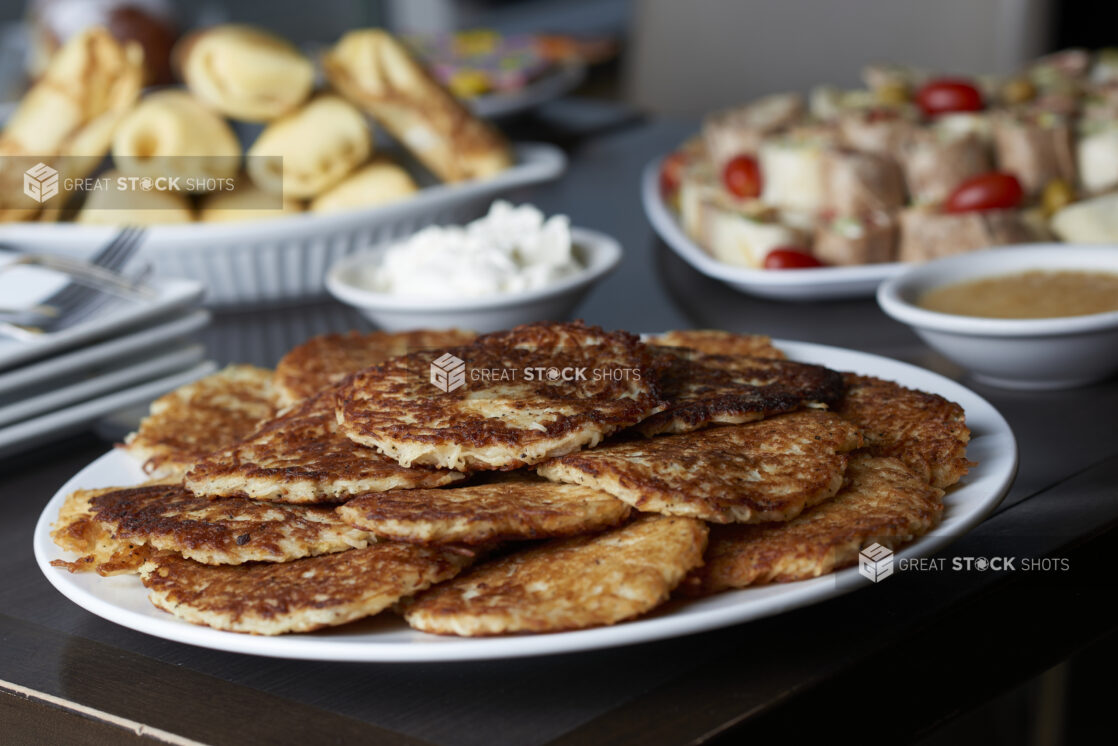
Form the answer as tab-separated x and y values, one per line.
512	266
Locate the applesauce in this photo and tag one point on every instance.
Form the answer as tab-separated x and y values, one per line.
1035	294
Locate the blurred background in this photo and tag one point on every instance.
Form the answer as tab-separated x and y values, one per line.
679	59
749	47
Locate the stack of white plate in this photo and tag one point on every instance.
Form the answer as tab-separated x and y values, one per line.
123	354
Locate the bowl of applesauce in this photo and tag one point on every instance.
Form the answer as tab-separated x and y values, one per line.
1035	316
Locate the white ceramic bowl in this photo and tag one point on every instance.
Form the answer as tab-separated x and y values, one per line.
283	260
597	252
1012	353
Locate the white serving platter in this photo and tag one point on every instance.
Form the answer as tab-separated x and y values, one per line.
385	638
285	259
822	283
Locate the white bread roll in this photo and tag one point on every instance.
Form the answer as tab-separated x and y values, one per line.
377	183
246	202
245	73
171	134
319	144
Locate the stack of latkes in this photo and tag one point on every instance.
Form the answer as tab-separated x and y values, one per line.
556	476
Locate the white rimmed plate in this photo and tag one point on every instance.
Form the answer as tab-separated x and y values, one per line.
83	358
29	433
88	385
823	283
551	85
285	259
386	638
171	295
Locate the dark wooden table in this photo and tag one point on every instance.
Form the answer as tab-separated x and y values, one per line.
896	658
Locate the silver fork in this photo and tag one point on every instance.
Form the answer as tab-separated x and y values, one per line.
77	300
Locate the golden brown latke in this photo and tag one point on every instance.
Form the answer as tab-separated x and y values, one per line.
763	471
223	531
925	431
883	502
78	531
565	584
299	596
300	457
497	423
704	389
715	342
323	361
200	417
522	507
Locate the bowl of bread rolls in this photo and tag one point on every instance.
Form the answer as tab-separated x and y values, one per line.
261	169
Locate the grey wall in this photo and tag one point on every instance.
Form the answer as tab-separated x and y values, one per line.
689	56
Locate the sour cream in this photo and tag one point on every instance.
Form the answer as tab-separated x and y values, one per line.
510	250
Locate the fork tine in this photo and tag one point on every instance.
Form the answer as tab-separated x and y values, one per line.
73	292
94	299
128	249
119	249
84	299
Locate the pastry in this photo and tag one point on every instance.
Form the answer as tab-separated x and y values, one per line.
373	69
245	202
71	111
133	206
245	73
304	153
376	183
171	134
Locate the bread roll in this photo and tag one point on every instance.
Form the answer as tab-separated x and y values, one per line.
244	72
245	202
374	70
171	134
134	206
377	183
319	144
71	111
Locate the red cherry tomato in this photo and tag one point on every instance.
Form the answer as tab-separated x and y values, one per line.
790	258
945	95
992	191
742	177
671	174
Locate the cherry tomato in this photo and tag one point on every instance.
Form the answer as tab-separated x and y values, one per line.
993	191
790	257
945	95
742	177
671	173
